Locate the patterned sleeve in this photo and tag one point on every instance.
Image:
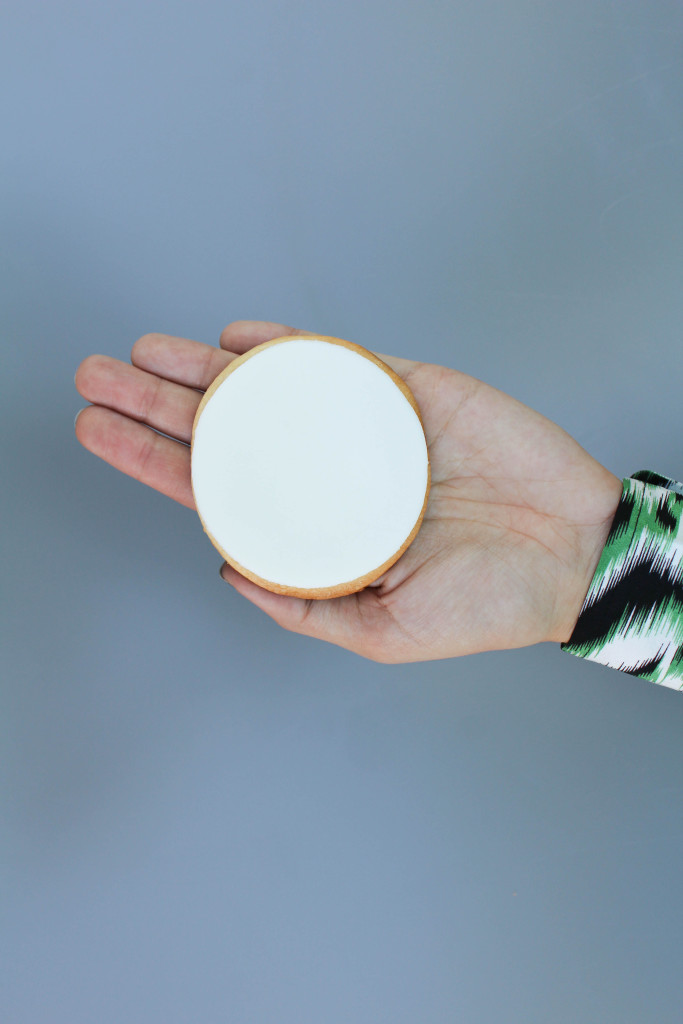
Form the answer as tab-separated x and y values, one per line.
632	616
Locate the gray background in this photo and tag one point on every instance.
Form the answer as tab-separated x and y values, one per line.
206	818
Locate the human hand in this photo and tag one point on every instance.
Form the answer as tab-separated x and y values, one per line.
517	516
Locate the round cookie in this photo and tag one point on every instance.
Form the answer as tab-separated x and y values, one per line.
310	468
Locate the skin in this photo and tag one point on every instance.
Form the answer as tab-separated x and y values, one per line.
517	516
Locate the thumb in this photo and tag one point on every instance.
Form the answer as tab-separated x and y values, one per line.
354	621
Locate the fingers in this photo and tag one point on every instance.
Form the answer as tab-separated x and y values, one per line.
138	451
196	365
143	396
191	363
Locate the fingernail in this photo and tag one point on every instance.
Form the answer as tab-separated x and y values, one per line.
77	415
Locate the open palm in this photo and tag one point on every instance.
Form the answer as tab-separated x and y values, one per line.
517	516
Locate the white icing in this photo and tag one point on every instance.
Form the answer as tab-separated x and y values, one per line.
309	464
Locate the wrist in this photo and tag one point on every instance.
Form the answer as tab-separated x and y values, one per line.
591	541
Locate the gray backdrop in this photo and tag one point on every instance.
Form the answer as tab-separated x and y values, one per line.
206	819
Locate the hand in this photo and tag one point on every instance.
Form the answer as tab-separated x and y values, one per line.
517	516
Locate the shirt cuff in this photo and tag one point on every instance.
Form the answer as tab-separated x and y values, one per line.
632	616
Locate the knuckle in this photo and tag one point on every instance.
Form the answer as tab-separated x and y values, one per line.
145	453
151	397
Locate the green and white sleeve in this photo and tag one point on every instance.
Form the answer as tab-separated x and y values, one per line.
632	616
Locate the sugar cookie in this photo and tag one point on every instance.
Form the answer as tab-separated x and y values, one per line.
310	467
